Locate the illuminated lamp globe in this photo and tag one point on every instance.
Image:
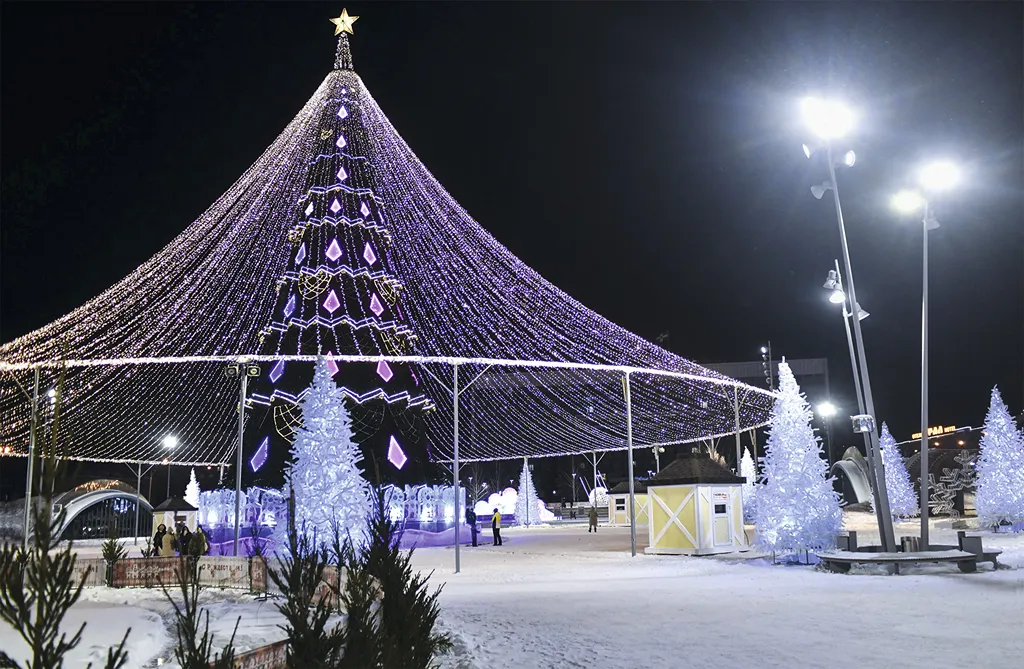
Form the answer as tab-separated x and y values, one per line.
849	158
837	296
940	175
170	441
827	119
907	201
827	410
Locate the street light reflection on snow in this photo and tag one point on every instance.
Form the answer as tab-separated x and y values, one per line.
827	119
939	175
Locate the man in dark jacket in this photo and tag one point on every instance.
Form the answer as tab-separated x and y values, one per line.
471	521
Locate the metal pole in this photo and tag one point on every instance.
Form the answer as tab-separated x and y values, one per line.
238	459
138	494
880	494
925	488
526	468
736	406
629	445
595	478
455	463
31	460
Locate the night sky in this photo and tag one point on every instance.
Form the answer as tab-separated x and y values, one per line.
643	157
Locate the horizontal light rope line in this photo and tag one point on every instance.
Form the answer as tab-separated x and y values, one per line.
623	369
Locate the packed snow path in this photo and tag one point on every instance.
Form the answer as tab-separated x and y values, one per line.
560	597
566	598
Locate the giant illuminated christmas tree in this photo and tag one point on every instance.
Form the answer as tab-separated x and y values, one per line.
338	294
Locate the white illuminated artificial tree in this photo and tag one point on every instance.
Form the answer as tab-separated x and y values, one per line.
192	489
324	474
527	507
797	508
749	490
902	499
999	496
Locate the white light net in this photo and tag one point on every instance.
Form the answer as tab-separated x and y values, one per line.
548	371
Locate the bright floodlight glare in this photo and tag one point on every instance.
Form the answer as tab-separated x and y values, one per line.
907	201
170	441
807	151
764	349
849	158
51	393
939	175
827	119
837	296
827	410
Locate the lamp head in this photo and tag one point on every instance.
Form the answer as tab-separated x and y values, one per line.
908	201
837	296
849	158
170	441
827	410
828	119
818	190
940	175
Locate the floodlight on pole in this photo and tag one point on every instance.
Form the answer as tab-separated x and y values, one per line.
827	410
940	175
849	158
828	119
170	441
908	201
819	190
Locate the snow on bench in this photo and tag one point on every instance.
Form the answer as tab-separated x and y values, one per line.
842	560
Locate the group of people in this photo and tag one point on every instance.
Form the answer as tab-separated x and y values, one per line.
180	542
495	525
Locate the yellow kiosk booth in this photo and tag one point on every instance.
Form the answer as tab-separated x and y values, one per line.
618	503
695	507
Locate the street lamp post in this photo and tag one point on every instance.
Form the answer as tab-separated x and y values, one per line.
829	121
827	410
935	176
169	442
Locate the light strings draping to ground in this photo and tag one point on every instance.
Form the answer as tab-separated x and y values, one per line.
149	352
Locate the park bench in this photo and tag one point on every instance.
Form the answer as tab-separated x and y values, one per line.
841	561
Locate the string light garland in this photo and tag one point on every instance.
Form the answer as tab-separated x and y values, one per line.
419	285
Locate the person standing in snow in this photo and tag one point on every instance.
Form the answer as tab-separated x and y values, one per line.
158	538
496	527
166	546
593	520
471	521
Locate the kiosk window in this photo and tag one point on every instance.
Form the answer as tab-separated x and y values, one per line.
720	508
620	505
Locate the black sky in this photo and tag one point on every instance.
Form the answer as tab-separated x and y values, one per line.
643	157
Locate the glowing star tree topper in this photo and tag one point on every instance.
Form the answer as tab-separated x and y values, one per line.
324	474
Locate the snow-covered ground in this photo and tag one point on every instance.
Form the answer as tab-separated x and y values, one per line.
560	597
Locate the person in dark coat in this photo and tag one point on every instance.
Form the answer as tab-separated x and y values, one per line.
471	521
593	520
496	527
158	538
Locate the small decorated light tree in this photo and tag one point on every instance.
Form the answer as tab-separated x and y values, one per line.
527	511
749	489
324	475
902	500
797	509
1000	483
192	489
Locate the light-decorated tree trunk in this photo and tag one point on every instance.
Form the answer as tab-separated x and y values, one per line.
797	509
1000	483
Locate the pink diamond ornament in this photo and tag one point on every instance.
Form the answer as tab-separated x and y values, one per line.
375	306
341	143
342	112
395	454
332	366
332	302
369	255
364	210
342	174
384	370
334	250
335	206
309	209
